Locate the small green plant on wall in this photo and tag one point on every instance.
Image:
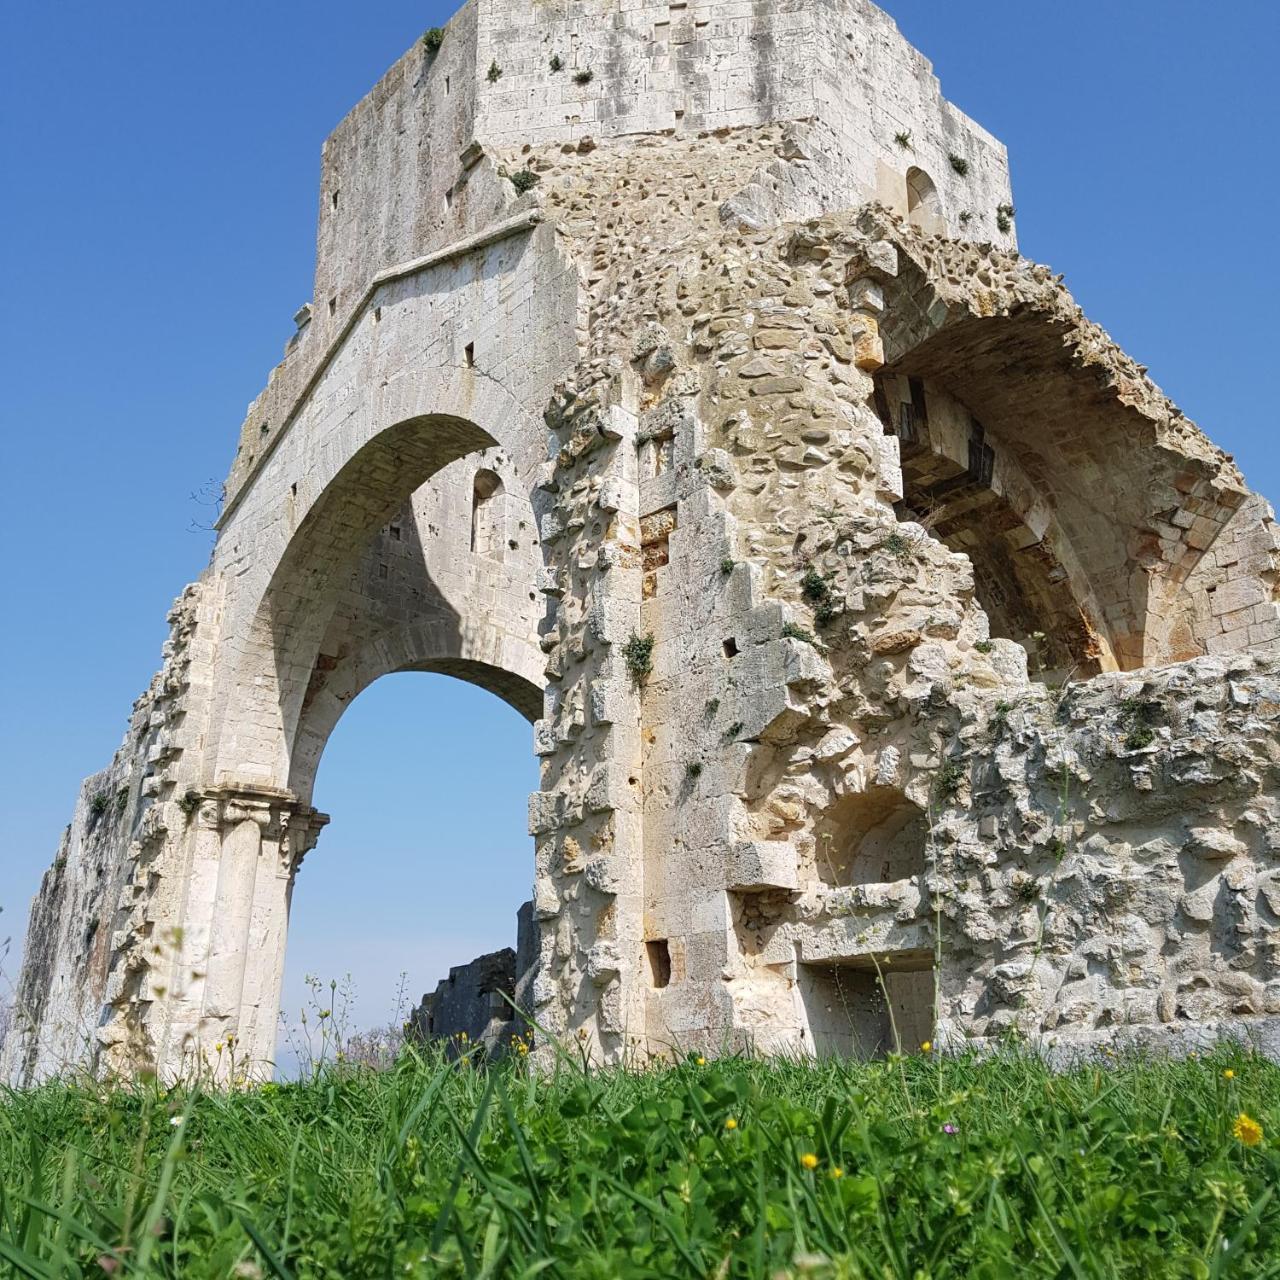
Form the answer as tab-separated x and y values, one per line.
638	655
432	39
585	76
494	73
903	139
523	180
556	63
959	164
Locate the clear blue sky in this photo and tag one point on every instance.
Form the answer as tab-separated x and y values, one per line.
160	165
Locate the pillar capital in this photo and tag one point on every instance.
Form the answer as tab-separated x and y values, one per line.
282	819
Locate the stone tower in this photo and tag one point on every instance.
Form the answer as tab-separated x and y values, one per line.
901	662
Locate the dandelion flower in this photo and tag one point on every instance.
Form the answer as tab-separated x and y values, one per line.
926	1046
1247	1129
731	1123
808	1160
1228	1074
837	1172
700	1060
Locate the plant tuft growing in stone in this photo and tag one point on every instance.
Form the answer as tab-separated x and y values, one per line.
585	76
959	164
556	63
791	631
638	655
523	180
432	39
494	73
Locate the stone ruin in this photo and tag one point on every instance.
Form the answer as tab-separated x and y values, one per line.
901	662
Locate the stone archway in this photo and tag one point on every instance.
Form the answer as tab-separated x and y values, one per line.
378	575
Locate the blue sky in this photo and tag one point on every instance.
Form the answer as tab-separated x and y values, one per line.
161	166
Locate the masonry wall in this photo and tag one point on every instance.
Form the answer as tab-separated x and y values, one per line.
692	454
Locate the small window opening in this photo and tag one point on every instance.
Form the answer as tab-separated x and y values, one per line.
377	315
383	571
730	648
469	355
333	304
659	961
446	86
395	532
293	489
334	199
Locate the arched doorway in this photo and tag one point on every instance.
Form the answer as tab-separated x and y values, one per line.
426	859
381	574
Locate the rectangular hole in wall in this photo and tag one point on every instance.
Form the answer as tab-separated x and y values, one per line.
395	532
849	1014
382	571
334	199
333	304
469	355
730	648
659	961
377	315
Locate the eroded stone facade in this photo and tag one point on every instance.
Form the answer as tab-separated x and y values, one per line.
902	663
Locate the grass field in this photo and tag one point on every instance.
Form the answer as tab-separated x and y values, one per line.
919	1167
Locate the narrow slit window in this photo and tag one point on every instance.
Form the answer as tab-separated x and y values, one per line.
659	961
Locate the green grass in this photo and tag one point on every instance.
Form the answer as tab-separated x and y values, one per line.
1131	1169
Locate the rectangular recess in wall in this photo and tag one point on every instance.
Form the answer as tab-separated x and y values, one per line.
659	954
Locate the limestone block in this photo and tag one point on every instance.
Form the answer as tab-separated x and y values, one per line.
761	864
1213	844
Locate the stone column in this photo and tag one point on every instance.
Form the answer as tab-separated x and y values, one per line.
248	846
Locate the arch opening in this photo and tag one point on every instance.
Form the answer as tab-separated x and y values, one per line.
422	871
973	497
387	544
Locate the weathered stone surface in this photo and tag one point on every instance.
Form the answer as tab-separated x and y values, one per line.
903	663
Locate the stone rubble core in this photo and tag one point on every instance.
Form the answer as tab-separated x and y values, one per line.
902	664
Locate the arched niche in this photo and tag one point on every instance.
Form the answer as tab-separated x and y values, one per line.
876	836
924	206
488	507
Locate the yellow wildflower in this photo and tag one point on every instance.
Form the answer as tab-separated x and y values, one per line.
837	1172
1247	1129
1228	1074
731	1123
701	1061
808	1160
927	1047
